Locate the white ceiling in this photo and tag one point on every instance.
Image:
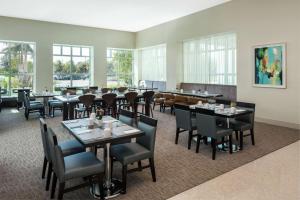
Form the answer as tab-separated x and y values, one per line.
127	15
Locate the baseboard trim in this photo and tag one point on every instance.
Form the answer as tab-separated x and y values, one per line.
278	123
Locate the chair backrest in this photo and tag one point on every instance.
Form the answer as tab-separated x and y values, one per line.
126	117
87	100
56	154
148	125
148	96
206	124
122	89
104	90
109	99
131	97
26	99
93	88
71	90
247	118
183	117
21	96
43	127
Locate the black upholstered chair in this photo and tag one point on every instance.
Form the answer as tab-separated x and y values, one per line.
184	122
137	151
68	147
53	105
81	165
244	123
207	127
32	106
88	101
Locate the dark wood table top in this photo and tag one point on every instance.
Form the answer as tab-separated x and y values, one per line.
91	137
226	112
195	94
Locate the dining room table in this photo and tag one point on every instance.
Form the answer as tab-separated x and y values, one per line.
96	135
70	102
227	112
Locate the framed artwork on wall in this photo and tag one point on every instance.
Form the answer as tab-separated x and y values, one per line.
270	65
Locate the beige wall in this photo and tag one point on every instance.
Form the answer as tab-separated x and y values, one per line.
255	22
46	34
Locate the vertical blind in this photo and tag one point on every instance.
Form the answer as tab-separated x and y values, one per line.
153	63
210	60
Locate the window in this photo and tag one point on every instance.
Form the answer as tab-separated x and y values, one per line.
17	61
153	63
72	66
210	60
119	67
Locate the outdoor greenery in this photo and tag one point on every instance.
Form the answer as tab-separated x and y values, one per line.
16	66
119	68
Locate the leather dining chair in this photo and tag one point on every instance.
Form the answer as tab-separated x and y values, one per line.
184	122
137	151
244	123
130	101
88	101
110	104
207	127
83	165
148	98
32	106
68	147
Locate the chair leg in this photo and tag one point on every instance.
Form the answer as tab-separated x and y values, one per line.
101	189
53	186
53	110
241	140
236	135
49	110
252	136
177	135
49	176
190	139
61	190
151	112
140	165
151	162
44	167
124	179
230	144
198	143
213	142
111	166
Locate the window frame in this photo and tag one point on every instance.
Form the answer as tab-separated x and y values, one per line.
71	57
10	74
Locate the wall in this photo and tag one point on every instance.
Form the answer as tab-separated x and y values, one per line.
255	22
45	34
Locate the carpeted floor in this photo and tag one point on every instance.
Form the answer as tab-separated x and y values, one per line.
177	168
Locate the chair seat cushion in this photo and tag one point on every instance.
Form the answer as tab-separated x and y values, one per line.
221	132
36	106
82	165
239	125
35	102
70	147
55	103
129	153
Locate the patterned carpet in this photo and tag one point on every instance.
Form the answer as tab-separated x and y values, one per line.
177	168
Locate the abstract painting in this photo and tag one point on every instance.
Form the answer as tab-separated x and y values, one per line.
270	65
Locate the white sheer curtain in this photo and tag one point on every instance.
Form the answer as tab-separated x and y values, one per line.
210	60
153	63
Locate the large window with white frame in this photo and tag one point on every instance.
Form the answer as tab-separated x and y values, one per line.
210	60
119	67
72	66
17	61
152	61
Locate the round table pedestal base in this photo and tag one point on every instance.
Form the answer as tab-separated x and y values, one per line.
114	190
